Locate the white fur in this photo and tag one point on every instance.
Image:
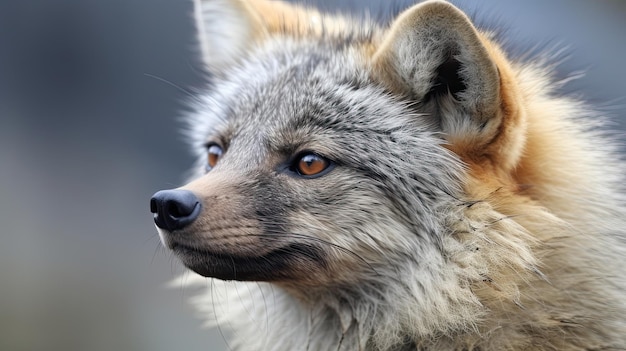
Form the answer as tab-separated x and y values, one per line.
499	268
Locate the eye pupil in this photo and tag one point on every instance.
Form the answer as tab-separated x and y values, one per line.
311	164
214	153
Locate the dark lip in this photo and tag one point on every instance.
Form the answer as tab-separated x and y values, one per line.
279	264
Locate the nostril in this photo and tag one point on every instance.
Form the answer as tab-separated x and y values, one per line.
174	209
153	205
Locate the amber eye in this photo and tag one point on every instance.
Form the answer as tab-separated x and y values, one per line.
310	164
214	153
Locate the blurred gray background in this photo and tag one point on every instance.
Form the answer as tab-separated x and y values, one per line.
89	129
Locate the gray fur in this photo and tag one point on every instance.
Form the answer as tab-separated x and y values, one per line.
309	95
401	254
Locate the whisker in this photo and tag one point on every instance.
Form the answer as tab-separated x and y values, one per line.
267	317
248	311
170	83
217	321
158	248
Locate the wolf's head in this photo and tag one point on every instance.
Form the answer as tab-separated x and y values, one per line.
335	158
375	178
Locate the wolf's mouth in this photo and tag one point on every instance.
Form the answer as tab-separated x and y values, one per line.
279	264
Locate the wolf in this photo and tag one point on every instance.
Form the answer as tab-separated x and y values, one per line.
399	187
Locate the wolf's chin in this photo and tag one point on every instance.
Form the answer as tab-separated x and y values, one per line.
278	265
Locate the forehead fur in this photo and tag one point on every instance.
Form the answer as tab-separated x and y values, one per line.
291	95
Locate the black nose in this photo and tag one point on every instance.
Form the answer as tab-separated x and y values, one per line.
174	209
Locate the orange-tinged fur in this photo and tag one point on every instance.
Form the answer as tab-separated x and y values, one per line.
537	211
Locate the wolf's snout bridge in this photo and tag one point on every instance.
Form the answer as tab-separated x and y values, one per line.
174	209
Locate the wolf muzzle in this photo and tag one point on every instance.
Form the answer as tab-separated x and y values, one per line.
174	209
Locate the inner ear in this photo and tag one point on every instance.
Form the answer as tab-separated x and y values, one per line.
457	78
434	54
448	80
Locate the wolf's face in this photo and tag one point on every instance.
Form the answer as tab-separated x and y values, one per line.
315	174
399	188
328	158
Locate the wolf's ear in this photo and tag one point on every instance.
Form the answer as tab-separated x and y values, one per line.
434	54
226	29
